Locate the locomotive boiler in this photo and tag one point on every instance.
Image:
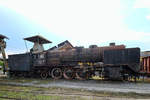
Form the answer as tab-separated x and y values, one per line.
66	61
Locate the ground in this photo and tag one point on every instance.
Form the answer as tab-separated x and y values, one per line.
49	89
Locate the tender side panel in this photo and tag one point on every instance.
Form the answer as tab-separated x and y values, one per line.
19	62
129	56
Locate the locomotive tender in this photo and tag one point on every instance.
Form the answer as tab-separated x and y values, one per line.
66	61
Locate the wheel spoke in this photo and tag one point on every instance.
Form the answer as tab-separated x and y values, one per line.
56	73
81	75
68	73
44	75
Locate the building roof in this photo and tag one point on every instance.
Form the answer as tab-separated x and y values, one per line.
63	43
145	53
2	36
53	48
38	38
62	46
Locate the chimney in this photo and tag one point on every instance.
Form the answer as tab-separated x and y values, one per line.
112	44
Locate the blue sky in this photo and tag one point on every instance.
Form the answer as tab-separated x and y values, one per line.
82	22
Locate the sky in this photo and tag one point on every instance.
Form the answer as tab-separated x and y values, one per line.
82	22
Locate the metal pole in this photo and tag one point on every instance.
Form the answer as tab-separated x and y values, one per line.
26	45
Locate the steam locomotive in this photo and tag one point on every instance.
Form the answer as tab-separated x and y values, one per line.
66	61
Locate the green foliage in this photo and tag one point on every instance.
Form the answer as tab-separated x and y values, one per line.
33	96
33	93
1	63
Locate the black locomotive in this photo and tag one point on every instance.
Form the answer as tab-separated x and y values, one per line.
66	61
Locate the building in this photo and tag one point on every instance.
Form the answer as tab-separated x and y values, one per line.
66	45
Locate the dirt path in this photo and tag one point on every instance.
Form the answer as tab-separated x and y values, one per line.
101	86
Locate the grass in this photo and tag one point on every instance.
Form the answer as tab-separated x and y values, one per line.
23	80
33	96
34	93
